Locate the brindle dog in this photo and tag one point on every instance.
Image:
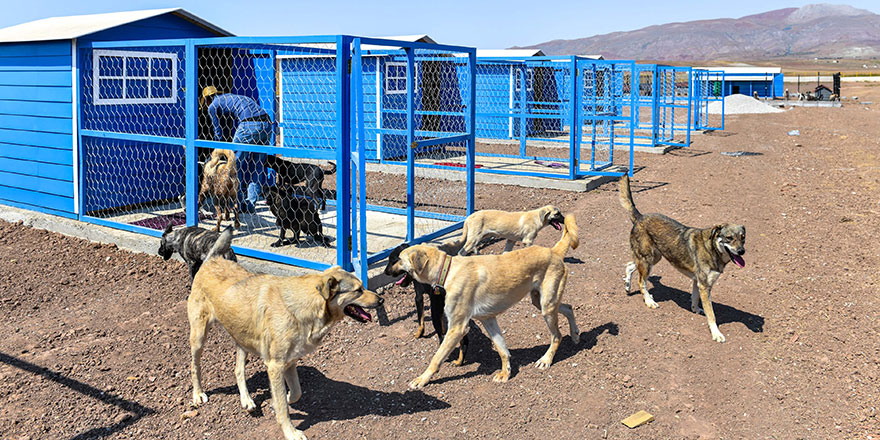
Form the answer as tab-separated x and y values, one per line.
193	244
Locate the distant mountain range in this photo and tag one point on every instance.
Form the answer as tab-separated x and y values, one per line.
819	30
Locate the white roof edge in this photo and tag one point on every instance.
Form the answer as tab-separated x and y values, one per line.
76	26
419	38
510	53
751	70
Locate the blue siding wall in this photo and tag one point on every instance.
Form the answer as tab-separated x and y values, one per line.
112	167
769	88
36	126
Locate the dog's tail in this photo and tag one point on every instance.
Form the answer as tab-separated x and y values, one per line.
222	244
453	246
569	237
331	170
626	199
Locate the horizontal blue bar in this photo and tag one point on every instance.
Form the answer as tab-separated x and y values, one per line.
378	256
442	140
121	226
419	213
302	153
517	115
279	258
265	40
133	137
416	45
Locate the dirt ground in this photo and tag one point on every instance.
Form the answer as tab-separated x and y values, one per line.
95	339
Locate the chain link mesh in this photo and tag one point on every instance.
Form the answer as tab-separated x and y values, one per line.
268	119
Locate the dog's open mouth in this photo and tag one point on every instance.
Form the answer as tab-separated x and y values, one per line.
404	280
737	260
357	313
556	225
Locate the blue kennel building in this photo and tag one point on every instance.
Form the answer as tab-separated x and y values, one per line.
766	81
39	102
100	122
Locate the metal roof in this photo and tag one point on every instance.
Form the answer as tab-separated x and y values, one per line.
513	53
75	26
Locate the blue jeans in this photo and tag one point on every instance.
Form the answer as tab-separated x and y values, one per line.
252	171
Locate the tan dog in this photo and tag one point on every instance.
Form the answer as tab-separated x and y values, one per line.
220	181
484	286
281	319
700	254
514	226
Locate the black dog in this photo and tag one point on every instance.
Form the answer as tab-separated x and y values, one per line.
437	299
292	173
293	212
192	243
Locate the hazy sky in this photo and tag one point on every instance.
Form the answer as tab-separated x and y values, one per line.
486	24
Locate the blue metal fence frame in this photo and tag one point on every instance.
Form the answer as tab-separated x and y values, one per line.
351	237
572	108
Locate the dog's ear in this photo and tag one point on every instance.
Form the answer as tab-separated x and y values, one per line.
418	261
168	228
545	214
329	287
716	230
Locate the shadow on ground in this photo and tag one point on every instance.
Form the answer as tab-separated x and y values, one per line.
325	399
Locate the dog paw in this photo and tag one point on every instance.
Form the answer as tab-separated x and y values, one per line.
460	360
718	337
276	244
248	405
543	363
698	310
199	398
419	332
419	382
651	304
501	377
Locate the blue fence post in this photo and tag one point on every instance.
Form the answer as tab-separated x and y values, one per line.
471	130
410	150
363	263
523	105
690	71
80	155
191	118
343	153
574	144
634	113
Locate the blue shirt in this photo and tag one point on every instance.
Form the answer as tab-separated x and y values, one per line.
236	106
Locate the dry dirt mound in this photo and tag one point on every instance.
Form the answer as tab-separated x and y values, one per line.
740	105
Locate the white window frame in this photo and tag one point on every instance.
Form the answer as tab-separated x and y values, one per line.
388	78
125	55
530	80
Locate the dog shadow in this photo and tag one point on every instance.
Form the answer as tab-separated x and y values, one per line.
325	399
482	353
723	313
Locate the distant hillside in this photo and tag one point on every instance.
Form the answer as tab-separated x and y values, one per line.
820	30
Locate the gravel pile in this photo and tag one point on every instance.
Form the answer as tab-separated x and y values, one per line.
741	104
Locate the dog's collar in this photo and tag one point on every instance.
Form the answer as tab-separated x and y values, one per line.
444	271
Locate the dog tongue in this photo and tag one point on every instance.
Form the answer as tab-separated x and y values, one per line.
738	260
400	281
556	225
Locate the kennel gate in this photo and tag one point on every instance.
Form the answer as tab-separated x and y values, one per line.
674	105
142	137
567	114
708	86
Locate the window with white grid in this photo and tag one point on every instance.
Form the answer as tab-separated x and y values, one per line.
530	79
395	78
131	77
